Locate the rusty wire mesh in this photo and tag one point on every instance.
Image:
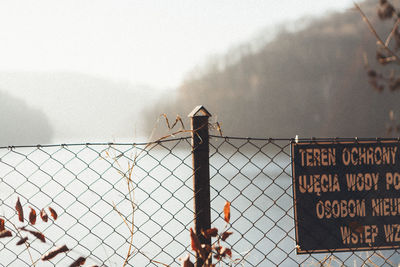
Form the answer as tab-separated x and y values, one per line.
83	183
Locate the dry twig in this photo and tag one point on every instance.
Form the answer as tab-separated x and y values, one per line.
378	39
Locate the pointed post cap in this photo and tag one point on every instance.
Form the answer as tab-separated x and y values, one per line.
199	111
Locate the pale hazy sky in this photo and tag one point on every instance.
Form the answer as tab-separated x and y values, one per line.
151	42
92	66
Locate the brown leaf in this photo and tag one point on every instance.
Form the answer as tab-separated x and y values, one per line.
196	245
185	262
212	232
5	233
37	234
1	224
51	254
32	216
194	241
22	241
228	252
20	211
43	215
225	235
53	213
227	211
80	261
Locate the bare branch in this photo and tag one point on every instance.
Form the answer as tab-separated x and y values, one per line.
395	26
378	39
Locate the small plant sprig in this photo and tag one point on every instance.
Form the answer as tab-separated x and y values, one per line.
4	233
129	175
217	250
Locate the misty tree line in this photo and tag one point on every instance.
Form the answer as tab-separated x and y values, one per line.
309	83
21	124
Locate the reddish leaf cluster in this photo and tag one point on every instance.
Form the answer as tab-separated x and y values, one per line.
32	214
32	220
52	253
386	52
205	251
220	252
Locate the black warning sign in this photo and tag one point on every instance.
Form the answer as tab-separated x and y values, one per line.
346	195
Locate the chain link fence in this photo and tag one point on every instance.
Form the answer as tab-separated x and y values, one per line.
87	184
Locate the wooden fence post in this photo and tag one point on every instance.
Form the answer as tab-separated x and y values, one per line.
201	174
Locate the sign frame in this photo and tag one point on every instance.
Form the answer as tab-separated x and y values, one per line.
355	224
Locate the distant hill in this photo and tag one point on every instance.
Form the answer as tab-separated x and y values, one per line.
21	124
80	107
311	82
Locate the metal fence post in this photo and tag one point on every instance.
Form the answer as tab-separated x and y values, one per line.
201	174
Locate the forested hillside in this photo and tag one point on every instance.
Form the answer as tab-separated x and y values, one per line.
21	124
308	83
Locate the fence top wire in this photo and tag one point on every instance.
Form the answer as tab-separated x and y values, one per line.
308	139
316	139
98	144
